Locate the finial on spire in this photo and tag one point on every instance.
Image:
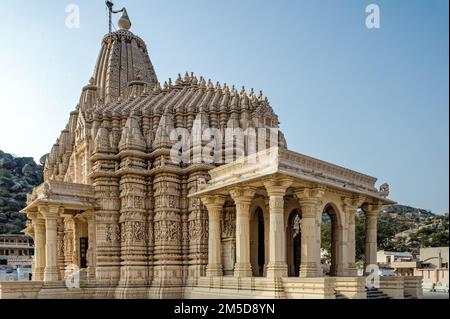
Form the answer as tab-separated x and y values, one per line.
124	21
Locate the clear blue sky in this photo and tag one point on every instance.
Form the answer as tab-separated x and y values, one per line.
375	101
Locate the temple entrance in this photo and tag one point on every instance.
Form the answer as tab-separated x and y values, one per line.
294	243
257	243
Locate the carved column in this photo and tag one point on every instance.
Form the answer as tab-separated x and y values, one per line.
277	266
61	257
150	205
39	247
214	204
350	208
133	219
242	198
310	204
68	245
167	269
370	253
51	215
76	242
197	230
339	242
107	241
90	217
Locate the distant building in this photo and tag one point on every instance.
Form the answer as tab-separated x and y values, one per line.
16	249
397	263
434	268
16	255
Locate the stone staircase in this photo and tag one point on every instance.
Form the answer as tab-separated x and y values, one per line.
375	293
408	296
339	296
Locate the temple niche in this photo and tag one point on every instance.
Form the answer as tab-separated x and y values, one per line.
127	221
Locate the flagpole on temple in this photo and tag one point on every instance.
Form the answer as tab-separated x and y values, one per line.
110	6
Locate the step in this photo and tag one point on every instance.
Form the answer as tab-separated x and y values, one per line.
374	293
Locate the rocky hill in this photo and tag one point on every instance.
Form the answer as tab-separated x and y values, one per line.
400	228
18	176
404	228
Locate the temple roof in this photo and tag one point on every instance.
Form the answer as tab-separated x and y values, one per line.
188	95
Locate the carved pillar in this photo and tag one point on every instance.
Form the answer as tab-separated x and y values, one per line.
68	245
61	257
76	242
214	204
107	239
39	247
150	206
339	250
370	253
51	215
197	230
242	198
310	204
167	269
90	217
277	266
133	219
350	208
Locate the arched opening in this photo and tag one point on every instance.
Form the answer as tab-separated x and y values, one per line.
329	241
294	243
257	243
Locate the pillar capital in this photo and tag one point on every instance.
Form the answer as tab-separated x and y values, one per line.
50	212
372	209
213	201
35	218
310	195
277	186
243	195
352	204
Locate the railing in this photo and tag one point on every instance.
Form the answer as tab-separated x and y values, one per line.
18	245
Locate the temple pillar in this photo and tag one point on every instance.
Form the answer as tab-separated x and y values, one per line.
242	198
350	208
371	212
51	214
61	256
39	246
341	249
214	204
310	204
277	266
133	219
91	245
107	230
68	246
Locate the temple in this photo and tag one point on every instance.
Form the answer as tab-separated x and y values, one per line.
117	218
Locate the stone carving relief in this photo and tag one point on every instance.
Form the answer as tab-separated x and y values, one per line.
133	232
229	224
198	230
167	231
112	233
